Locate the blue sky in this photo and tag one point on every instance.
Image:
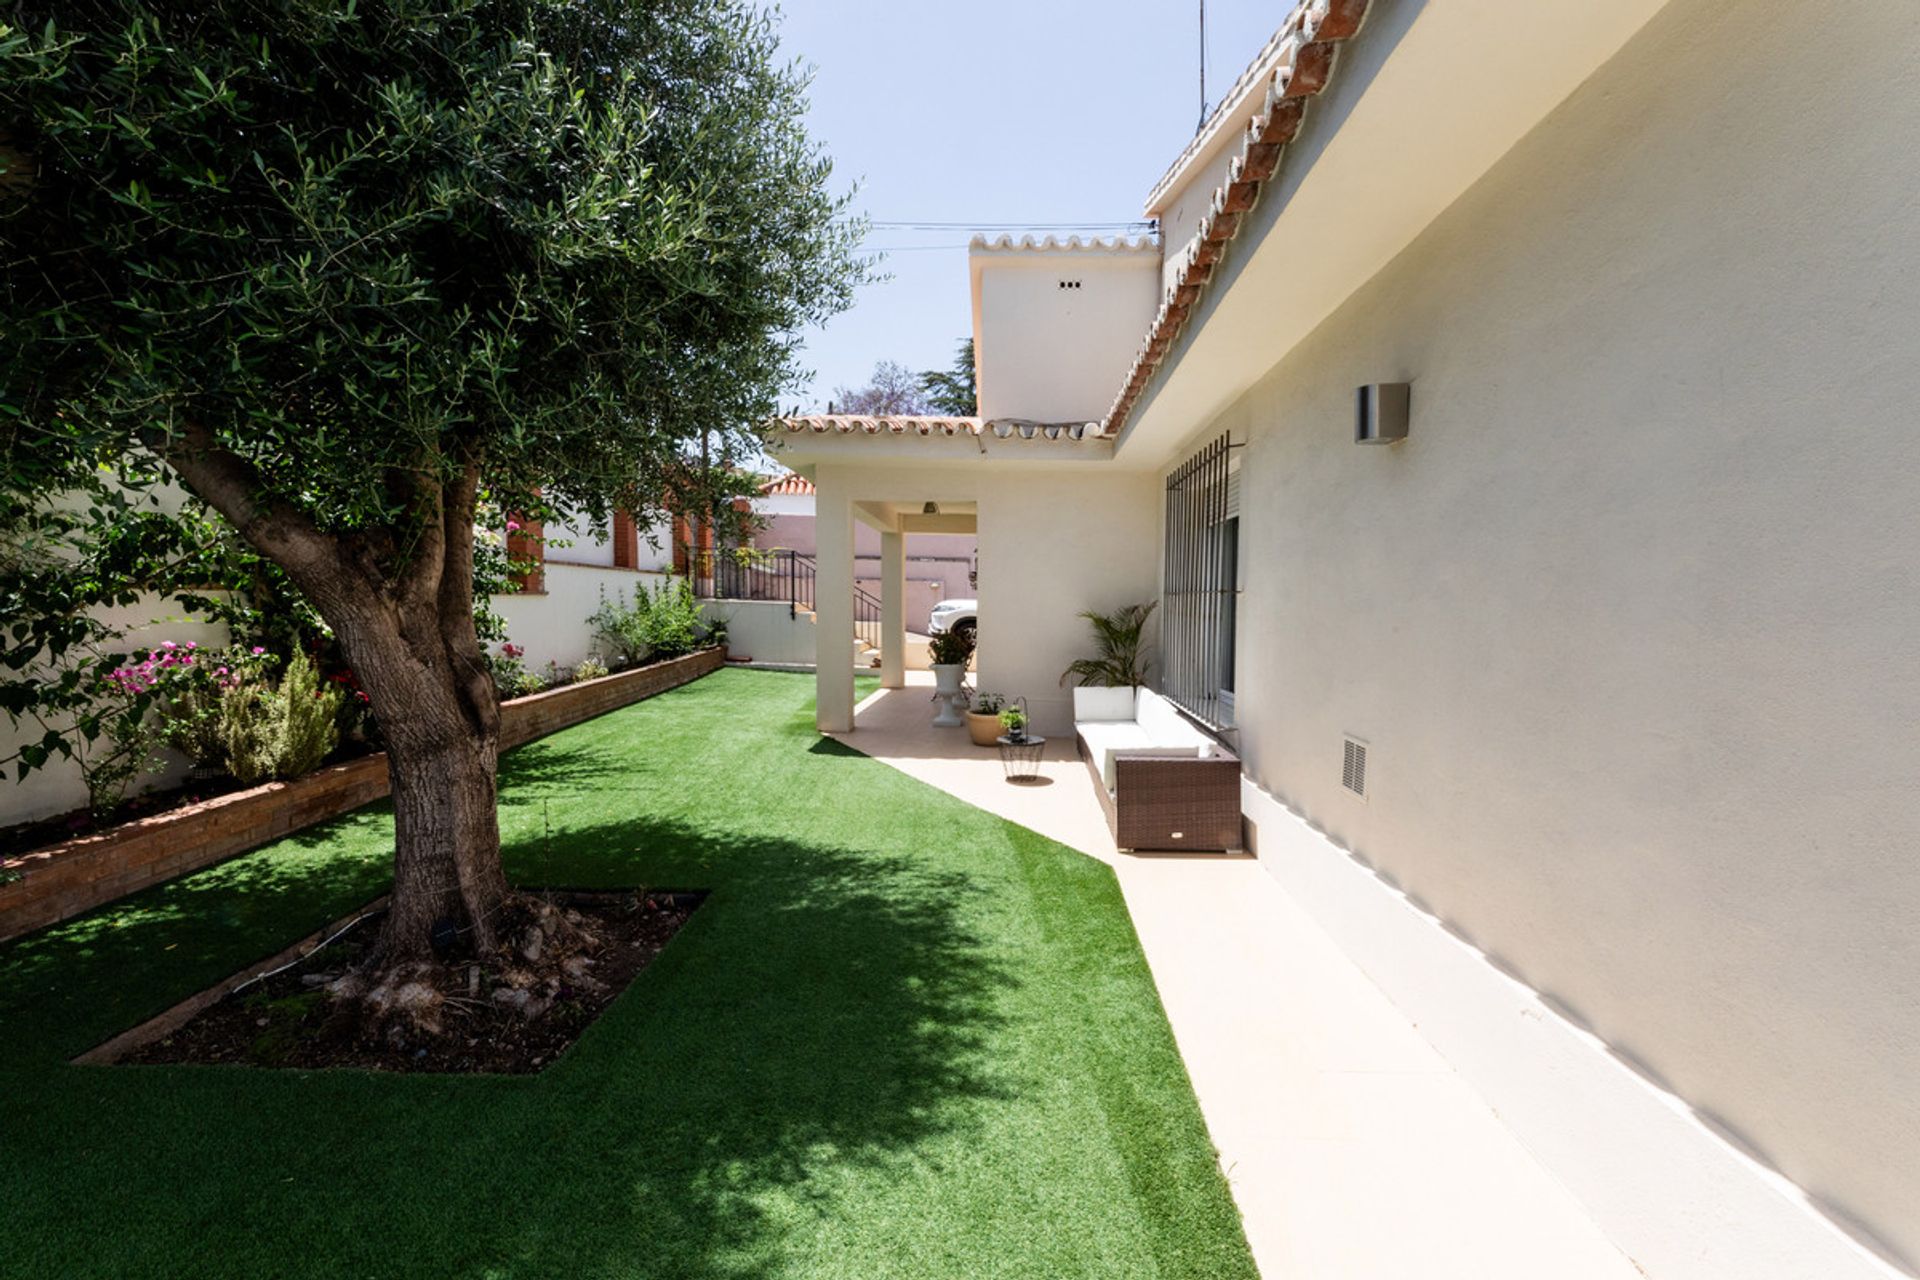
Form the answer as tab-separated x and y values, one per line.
993	112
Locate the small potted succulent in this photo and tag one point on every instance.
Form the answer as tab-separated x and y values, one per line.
983	719
1013	723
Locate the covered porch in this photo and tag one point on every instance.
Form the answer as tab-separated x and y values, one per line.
1056	535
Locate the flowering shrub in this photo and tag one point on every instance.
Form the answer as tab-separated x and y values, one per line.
510	675
190	690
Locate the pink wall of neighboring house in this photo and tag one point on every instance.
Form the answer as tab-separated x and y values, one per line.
937	563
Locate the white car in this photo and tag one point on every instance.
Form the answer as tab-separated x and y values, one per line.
962	616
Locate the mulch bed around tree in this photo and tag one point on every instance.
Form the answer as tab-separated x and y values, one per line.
289	1019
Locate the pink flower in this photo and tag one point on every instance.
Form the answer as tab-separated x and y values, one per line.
168	644
220	671
513	526
257	651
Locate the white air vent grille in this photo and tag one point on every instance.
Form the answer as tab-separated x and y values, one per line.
1353	773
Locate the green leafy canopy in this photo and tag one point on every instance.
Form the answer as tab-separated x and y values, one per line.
358	273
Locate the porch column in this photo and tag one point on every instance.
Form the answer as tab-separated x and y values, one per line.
833	606
893	610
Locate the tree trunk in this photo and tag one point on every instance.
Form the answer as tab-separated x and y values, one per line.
446	836
428	681
400	601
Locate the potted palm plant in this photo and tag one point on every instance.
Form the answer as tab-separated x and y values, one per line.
1120	637
949	652
983	720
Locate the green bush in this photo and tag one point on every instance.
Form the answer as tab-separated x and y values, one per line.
280	731
674	625
951	648
661	623
590	669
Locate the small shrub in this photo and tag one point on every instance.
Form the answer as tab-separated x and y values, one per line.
1014	721
988	704
511	679
622	627
950	648
279	731
661	623
590	669
674	625
194	689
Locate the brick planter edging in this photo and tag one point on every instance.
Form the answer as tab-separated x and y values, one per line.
60	881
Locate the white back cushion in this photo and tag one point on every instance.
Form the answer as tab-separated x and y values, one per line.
1091	703
1161	721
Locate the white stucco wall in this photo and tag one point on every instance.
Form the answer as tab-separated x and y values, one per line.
1632	620
552	625
574	540
1058	354
1052	542
1183	206
1048	551
768	631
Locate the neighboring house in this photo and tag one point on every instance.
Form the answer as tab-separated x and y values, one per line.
939	566
1627	626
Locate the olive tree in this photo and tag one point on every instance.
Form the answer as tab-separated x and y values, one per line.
343	268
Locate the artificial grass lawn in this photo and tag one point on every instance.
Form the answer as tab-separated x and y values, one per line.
903	1039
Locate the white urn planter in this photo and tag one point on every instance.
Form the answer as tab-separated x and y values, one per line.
947	679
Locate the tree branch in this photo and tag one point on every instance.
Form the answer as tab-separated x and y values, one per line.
273	526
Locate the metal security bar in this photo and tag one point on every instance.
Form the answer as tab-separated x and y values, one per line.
1198	592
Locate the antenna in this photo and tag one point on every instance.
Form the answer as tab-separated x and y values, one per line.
1203	68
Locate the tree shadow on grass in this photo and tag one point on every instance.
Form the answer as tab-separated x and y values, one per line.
69	987
827	1012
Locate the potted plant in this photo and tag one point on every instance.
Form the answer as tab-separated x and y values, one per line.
983	721
949	652
1120	637
1013	723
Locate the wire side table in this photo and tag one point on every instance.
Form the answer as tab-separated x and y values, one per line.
1020	757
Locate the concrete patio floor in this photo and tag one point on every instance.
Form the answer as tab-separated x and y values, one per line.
1353	1150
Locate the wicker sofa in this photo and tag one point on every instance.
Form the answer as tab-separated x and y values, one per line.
1163	782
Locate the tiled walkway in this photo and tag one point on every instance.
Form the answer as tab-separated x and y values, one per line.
1354	1151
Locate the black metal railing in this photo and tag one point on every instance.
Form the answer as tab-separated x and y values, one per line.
782	574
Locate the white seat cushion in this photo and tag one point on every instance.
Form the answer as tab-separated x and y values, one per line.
1096	704
1106	737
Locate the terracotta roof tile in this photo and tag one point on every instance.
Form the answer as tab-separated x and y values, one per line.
1296	64
792	482
847	424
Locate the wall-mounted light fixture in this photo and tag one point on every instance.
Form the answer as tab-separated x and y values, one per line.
1380	412
931	509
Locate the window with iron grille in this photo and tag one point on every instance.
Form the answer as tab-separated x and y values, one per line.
1200	590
